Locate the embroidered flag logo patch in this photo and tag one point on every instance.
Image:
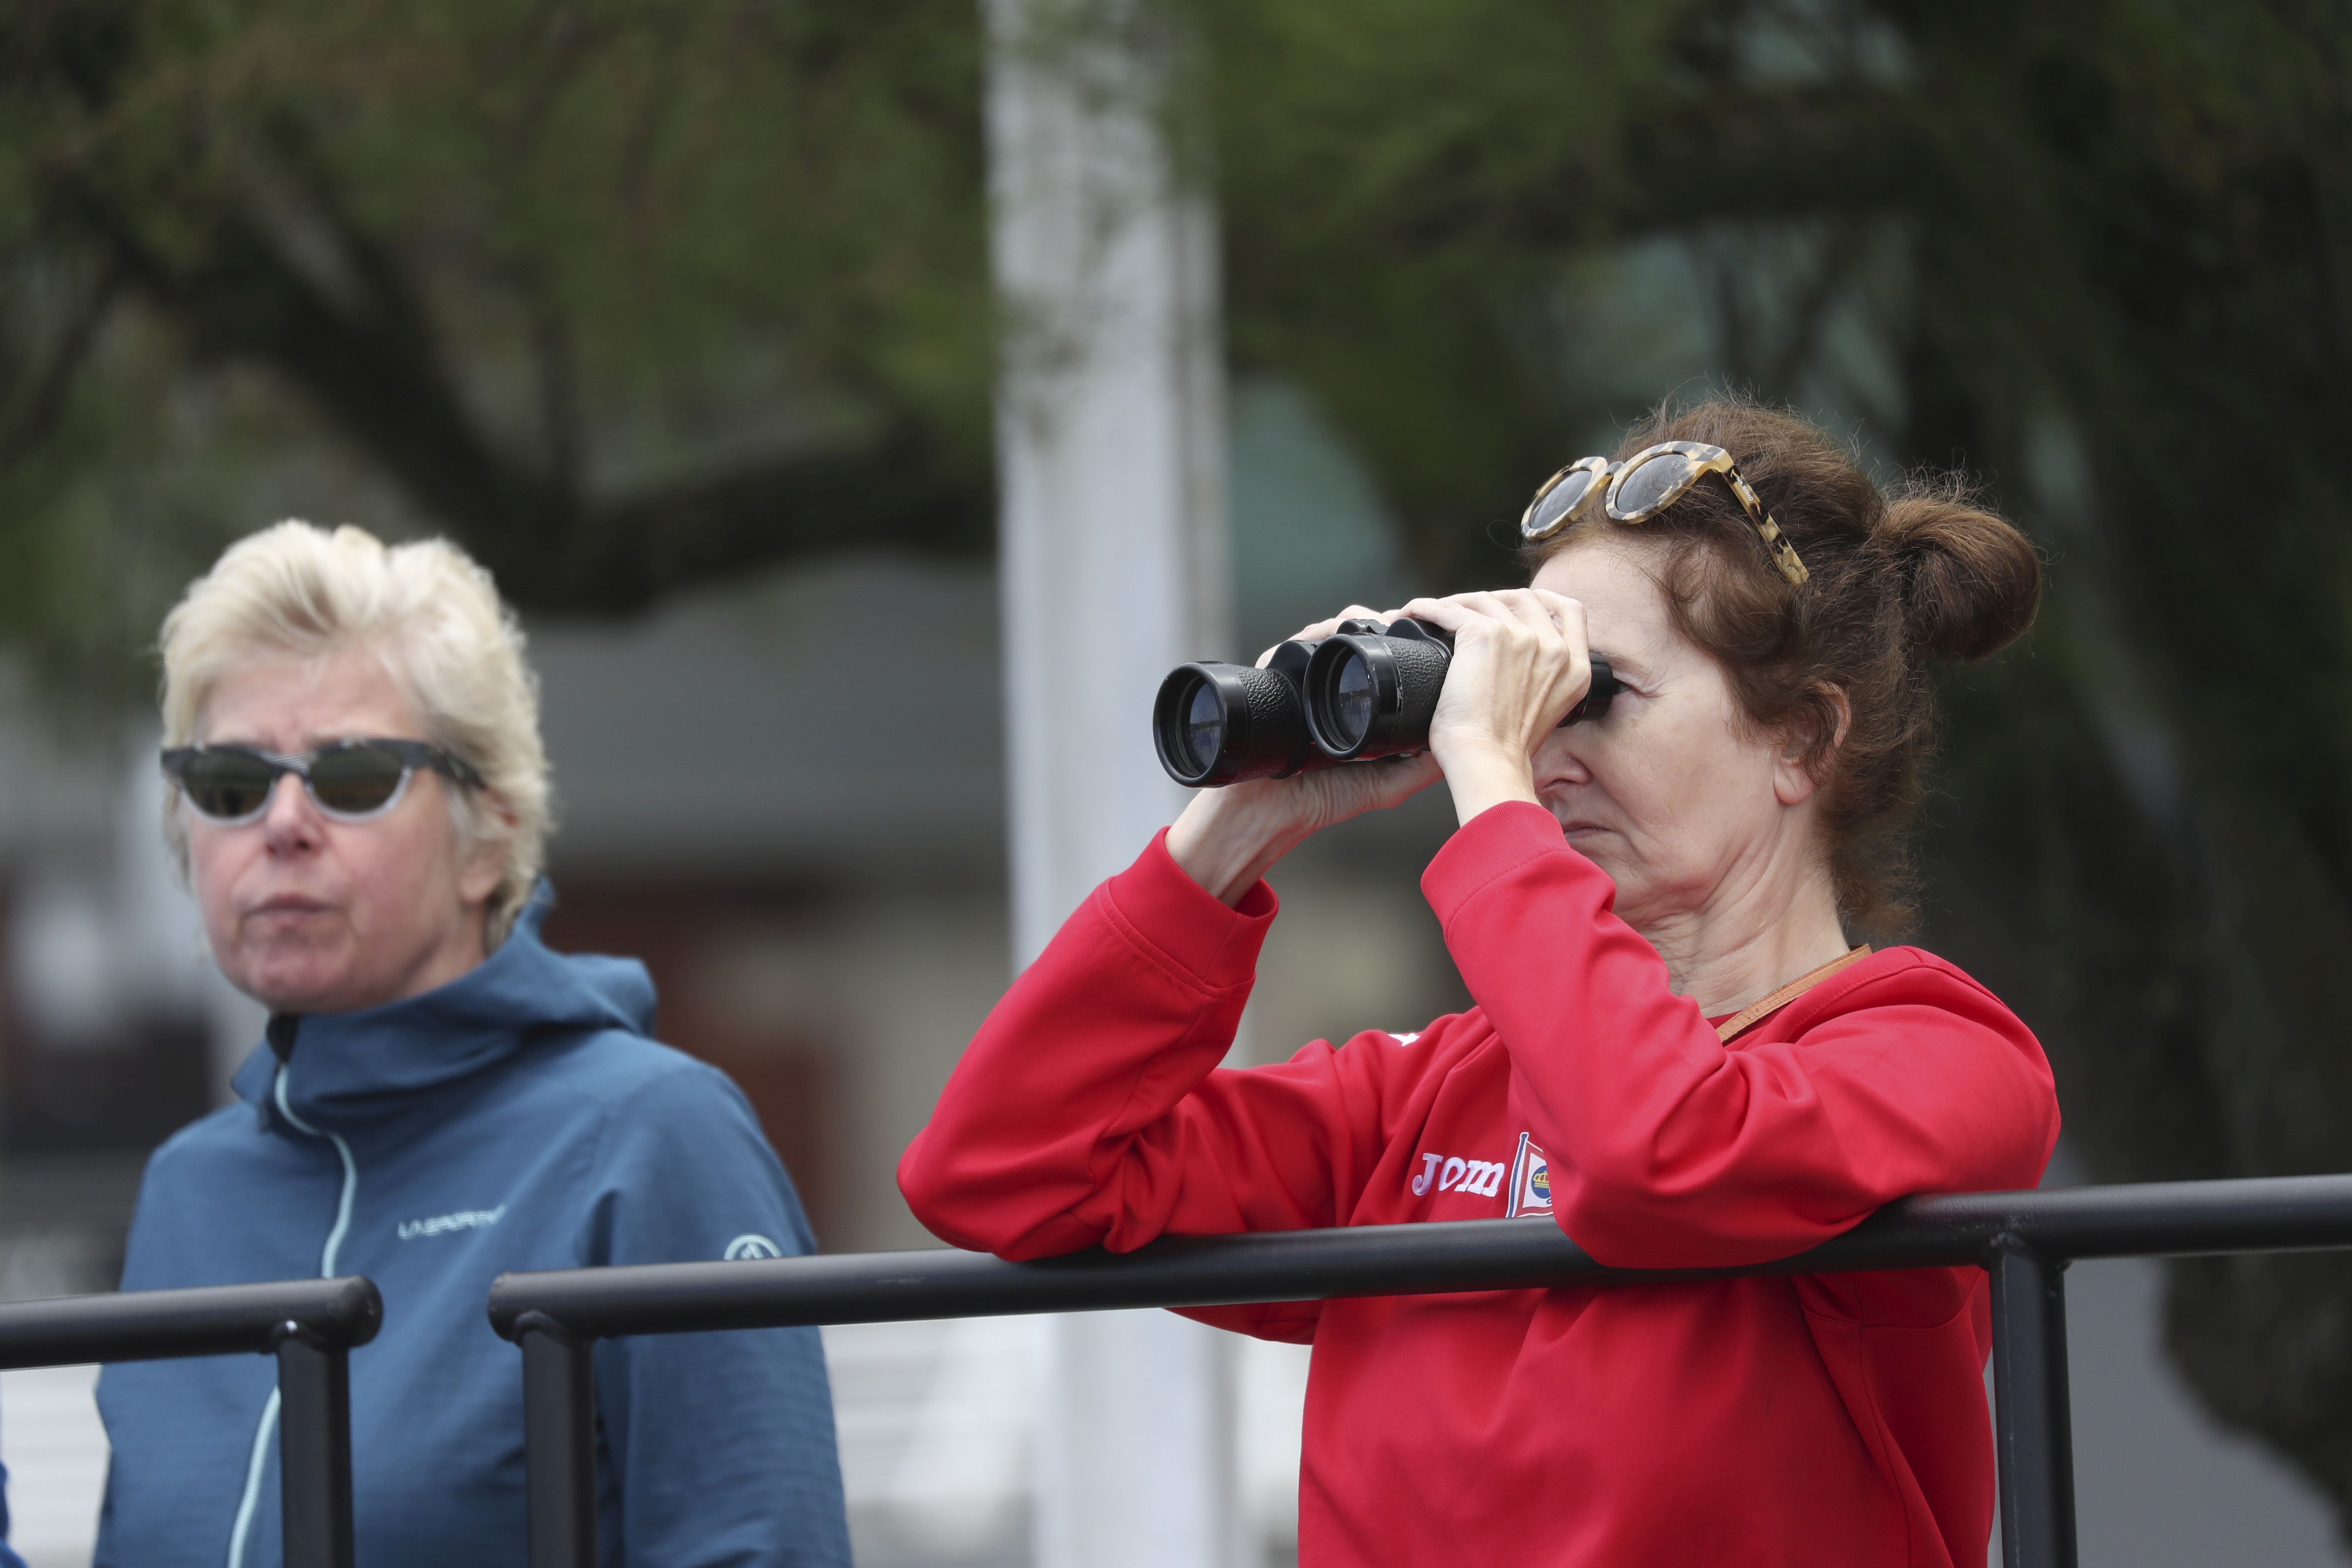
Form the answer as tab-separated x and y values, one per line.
1530	1180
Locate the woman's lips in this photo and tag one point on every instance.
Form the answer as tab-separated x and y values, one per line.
1563	809
288	904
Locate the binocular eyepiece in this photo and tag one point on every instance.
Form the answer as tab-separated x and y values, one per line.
1368	691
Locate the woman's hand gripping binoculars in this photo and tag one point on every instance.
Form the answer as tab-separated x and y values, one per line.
1356	690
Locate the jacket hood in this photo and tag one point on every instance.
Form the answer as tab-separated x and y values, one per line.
347	1066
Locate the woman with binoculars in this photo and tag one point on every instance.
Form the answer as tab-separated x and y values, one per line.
1676	1051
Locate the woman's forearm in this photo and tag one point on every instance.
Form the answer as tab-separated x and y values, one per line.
1486	777
1089	1110
1228	838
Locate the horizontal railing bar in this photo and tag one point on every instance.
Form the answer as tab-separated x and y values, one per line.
212	1319
2153	1219
2149	1219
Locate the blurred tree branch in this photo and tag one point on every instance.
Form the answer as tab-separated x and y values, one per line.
366	355
507	255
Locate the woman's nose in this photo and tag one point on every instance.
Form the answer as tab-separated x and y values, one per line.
290	823
1557	760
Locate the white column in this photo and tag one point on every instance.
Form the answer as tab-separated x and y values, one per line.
1110	421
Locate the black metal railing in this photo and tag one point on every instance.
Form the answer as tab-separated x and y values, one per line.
2023	1240
309	1325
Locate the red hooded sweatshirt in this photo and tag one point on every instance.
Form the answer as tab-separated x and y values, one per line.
1824	1419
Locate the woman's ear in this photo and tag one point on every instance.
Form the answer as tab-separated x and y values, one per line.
1795	770
484	863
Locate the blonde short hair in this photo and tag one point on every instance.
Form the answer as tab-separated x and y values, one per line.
434	617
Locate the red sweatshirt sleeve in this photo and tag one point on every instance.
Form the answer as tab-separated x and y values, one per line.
1090	1108
1669	1149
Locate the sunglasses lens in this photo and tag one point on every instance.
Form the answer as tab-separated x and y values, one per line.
226	786
356	780
1558	503
1655	484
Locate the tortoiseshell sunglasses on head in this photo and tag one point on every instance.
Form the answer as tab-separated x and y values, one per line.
1645	485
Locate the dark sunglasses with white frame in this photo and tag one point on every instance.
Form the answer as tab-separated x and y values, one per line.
349	781
1645	485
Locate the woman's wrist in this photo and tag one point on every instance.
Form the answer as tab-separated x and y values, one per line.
1481	777
1226	841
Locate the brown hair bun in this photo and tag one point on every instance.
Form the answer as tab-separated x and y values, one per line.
1972	581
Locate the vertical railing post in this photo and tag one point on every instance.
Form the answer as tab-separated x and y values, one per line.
2034	1435
314	1450
559	1405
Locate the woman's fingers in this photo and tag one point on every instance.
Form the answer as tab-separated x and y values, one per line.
1359	787
1516	626
1436	612
1399	778
1566	613
1472	616
1546	615
1538	633
1519	663
1352	612
1318	630
1521	607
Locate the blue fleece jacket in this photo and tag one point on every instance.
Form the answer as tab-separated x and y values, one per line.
517	1118
8	1558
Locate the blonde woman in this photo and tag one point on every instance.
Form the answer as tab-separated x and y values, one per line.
359	804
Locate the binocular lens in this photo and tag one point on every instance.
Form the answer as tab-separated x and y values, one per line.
1371	689
1351	702
1205	726
1219	723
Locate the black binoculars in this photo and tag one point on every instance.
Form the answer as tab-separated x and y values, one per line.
1365	691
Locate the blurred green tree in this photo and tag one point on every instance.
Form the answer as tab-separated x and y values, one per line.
634	294
626	295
